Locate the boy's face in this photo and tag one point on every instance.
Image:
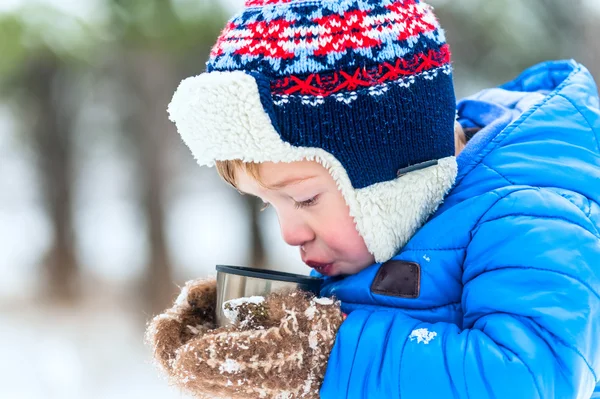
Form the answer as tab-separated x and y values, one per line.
312	215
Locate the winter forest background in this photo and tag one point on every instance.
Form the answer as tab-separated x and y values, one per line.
103	212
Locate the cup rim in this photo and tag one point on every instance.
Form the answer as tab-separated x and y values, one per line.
267	274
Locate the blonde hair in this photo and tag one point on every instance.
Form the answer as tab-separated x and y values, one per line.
460	138
228	169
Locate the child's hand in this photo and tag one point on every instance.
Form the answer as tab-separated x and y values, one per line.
279	347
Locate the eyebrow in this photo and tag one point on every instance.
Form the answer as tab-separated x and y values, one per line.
288	182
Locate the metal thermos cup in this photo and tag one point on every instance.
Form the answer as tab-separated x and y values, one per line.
235	282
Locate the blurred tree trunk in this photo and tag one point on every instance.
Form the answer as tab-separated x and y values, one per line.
51	136
591	48
564	20
151	77
257	248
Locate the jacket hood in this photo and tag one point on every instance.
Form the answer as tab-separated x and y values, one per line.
541	129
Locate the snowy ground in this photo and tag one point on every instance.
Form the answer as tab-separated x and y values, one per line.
90	352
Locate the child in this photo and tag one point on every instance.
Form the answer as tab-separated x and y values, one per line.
466	271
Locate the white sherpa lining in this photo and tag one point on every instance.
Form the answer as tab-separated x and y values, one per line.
220	117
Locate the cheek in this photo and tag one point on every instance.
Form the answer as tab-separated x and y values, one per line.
340	235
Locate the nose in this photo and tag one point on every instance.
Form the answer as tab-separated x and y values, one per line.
295	232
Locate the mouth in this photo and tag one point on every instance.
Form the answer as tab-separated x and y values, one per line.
323	268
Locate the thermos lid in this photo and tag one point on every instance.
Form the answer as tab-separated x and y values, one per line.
309	283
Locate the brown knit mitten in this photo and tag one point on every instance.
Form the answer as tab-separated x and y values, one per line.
192	314
278	347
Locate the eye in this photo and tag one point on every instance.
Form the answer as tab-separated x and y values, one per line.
305	204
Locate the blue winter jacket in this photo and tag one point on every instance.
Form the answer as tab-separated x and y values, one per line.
498	294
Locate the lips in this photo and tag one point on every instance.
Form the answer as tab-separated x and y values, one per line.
322	268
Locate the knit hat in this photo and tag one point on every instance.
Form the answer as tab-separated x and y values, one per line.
362	86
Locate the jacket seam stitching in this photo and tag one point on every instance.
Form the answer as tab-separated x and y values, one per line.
447	367
498	173
540	269
595	233
464	363
387	339
594	133
500	197
434	249
587	213
572	347
402	309
535	383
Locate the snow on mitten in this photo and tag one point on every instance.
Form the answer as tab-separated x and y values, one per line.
192	314
278	347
